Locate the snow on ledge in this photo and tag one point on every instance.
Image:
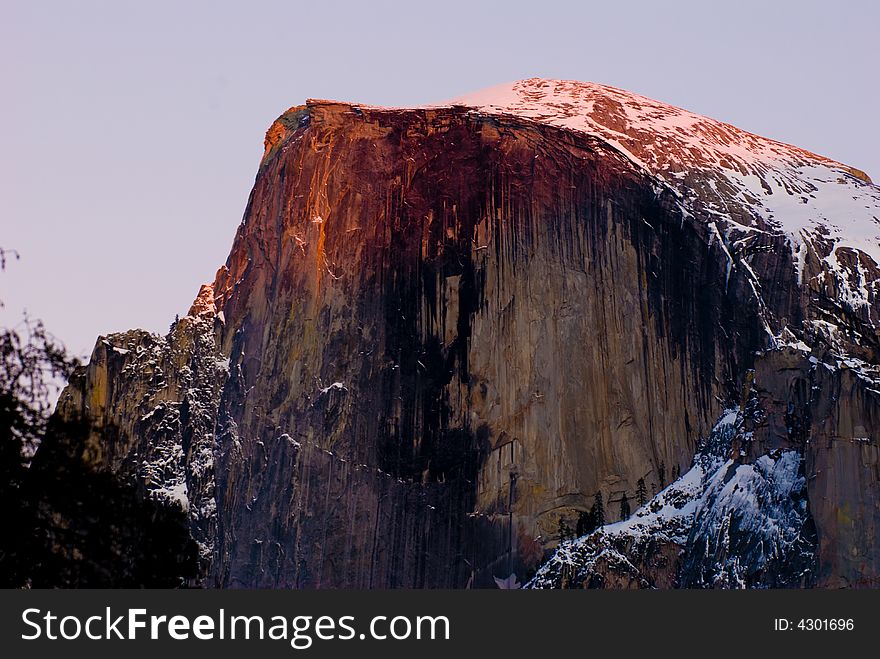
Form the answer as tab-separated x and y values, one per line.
798	193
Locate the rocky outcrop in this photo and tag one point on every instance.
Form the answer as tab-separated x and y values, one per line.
825	408
730	521
441	331
149	404
783	494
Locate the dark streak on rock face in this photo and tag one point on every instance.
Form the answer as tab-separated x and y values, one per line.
417	441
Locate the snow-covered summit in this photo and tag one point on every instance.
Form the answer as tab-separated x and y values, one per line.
750	183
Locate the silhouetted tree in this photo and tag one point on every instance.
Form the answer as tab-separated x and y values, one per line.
32	363
661	473
66	525
641	493
586	523
93	529
624	507
564	530
598	511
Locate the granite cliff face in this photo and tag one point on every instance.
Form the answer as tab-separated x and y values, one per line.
442	331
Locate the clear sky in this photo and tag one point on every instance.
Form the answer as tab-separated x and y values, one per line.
130	132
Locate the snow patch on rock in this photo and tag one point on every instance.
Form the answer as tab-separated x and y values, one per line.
736	525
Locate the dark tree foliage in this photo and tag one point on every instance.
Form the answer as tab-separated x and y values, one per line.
585	524
92	528
65	524
598	510
32	363
592	520
624	508
641	493
565	532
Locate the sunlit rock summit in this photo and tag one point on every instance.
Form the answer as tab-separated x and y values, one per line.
460	342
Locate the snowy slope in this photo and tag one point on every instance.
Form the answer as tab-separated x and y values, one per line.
745	183
731	525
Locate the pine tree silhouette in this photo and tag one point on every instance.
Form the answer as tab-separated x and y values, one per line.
598	510
66	524
641	493
624	507
564	530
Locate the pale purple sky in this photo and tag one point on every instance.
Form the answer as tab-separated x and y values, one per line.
130	132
